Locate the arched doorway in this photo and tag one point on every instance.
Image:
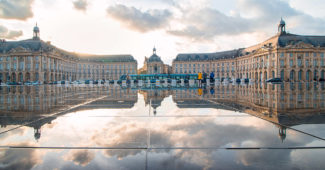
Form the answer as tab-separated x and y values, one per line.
282	74
261	76
308	75
273	74
13	77
300	75
265	75
36	76
292	75
20	77
315	75
27	76
51	77
45	77
7	77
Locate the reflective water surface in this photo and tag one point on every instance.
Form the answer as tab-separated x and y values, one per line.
227	126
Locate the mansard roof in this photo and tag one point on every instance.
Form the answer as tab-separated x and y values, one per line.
292	39
154	58
208	56
289	40
31	45
108	58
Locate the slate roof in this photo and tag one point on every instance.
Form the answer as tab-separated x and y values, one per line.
292	39
208	56
154	58
39	45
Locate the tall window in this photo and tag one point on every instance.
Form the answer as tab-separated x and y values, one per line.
299	62
282	74
281	63
300	75
315	62
291	63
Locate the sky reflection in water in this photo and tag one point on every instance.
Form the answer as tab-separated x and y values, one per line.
108	127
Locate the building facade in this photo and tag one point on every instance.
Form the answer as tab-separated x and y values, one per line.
154	65
36	60
287	56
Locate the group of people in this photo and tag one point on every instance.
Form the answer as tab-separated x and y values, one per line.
202	77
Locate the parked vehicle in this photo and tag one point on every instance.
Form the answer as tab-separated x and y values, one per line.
12	83
274	80
36	83
28	83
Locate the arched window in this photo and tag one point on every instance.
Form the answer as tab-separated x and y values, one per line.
300	75
292	75
282	74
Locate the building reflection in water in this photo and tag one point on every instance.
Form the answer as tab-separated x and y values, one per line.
285	105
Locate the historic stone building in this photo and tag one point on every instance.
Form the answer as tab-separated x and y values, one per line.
34	59
287	56
154	65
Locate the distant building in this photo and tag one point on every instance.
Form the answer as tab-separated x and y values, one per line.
36	60
287	56
154	65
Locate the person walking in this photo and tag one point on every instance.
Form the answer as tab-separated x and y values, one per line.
205	77
212	77
199	77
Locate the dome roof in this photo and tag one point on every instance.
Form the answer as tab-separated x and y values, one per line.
154	58
36	29
282	22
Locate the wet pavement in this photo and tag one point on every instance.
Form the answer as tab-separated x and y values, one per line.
226	126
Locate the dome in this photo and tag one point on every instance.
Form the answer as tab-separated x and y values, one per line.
282	22
154	58
36	29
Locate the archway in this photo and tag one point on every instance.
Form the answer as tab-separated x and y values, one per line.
282	74
273	74
27	76
7	77
300	75
292	75
36	76
13	77
265	75
51	77
20	77
45	77
261	76
308	75
315	75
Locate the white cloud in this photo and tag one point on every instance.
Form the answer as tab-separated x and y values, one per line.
9	34
80	4
137	20
16	9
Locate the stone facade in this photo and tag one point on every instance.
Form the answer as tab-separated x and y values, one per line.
154	65
287	56
36	60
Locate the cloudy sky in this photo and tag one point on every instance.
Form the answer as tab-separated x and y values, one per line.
173	26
